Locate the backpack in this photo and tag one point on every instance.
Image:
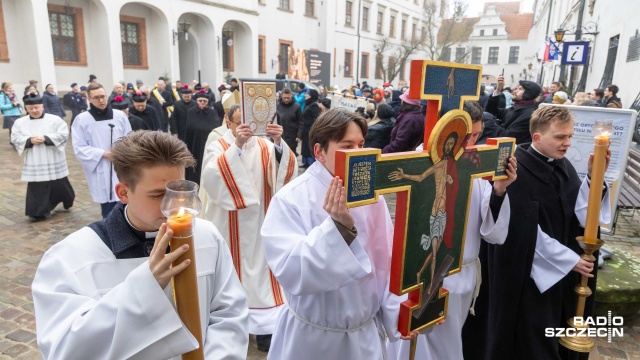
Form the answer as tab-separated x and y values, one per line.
66	99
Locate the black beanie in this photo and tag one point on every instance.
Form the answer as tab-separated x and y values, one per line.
385	111
531	90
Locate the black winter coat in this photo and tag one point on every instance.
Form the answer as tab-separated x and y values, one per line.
379	135
52	104
311	113
514	121
291	121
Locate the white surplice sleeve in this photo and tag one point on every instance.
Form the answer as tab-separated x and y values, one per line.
494	232
583	201
59	134
309	263
227	335
88	155
134	319
226	180
552	261
20	135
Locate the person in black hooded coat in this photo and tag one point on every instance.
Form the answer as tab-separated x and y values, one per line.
311	112
379	133
395	102
514	121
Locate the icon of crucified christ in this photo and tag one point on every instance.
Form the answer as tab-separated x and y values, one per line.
445	175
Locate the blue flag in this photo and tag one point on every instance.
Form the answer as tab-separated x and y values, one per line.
553	51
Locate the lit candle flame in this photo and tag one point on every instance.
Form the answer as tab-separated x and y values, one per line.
181	212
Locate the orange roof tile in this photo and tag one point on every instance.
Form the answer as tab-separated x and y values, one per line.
518	26
504	8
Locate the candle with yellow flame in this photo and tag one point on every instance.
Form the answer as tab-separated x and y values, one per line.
181	205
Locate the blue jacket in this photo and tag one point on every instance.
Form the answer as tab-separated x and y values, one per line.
7	107
52	104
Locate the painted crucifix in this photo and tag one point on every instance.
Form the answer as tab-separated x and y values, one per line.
432	189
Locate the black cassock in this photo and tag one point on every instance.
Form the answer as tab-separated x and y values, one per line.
511	313
179	117
200	122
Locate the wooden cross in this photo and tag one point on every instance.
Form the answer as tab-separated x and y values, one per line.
432	189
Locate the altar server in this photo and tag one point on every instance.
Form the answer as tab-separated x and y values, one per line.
240	178
93	134
41	138
104	291
332	262
532	276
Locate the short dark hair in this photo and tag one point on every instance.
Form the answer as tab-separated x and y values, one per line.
93	86
474	110
331	125
301	85
614	89
556	83
286	91
145	148
542	118
232	110
599	92
234	79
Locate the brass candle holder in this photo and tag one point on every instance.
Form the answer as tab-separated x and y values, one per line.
582	343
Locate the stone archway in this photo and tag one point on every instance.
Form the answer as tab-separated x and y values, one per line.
240	47
145	46
197	51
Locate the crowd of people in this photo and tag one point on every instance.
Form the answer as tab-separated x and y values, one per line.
279	254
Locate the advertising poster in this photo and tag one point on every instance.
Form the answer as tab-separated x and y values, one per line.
309	65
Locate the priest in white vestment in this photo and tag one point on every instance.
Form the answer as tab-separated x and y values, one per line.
41	139
333	263
93	132
104	292
240	178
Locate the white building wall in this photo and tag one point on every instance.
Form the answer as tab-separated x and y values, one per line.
611	21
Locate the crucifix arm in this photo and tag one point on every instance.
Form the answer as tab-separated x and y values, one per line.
399	175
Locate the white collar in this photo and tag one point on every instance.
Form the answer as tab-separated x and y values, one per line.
148	235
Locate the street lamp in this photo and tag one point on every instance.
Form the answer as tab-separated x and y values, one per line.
559	34
183	28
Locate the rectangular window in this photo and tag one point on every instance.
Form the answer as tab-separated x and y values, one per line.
633	53
493	55
347	11
63	37
481	32
284	5
262	55
391	67
476	55
514	52
403	32
461	54
423	32
309	7
401	74
380	20
495	32
364	65
378	74
414	29
283	56
133	39
365	18
129	36
4	49
392	26
446	54
348	63
227	51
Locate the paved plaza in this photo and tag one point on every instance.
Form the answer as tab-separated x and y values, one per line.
22	244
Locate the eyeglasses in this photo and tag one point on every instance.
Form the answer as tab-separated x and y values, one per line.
99	98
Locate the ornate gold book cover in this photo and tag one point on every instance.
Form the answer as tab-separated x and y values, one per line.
258	105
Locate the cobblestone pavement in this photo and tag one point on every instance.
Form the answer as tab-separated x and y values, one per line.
22	244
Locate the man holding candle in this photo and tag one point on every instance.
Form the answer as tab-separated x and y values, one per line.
240	177
532	275
333	262
104	292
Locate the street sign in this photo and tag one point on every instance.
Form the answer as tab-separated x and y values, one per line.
575	53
